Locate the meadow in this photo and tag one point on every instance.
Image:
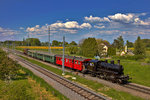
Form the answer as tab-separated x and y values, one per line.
137	69
95	86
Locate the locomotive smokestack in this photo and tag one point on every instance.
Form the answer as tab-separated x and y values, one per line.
118	62
112	62
106	61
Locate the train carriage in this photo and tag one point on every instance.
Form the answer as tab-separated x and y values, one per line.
68	60
32	53
29	53
48	57
78	62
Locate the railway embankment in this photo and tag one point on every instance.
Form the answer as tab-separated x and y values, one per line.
18	83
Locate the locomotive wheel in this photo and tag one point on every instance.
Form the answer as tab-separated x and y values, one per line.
93	75
119	81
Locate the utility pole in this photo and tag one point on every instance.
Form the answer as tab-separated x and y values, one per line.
28	40
63	56
49	49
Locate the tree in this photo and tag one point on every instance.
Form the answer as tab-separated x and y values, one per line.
129	44
55	43
146	42
73	50
73	43
33	41
89	47
139	48
119	43
81	42
66	43
111	51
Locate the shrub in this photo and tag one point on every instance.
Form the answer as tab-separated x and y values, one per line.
8	67
73	50
147	60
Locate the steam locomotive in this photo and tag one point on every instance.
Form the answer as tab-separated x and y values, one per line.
98	68
107	71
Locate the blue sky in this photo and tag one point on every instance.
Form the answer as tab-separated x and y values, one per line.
76	19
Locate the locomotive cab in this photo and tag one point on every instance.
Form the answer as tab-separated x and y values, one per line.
92	66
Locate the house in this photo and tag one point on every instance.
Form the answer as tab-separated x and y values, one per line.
105	48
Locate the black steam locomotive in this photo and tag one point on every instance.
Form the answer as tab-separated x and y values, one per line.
105	70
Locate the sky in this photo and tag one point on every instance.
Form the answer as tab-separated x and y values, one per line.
74	19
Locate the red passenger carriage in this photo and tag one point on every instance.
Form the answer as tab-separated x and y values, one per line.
71	62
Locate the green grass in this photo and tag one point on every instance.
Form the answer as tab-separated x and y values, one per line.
22	88
17	90
44	84
140	73
115	94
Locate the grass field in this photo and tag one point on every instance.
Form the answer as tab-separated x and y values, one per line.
25	88
115	94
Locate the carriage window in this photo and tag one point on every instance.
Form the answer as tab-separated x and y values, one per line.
79	62
75	62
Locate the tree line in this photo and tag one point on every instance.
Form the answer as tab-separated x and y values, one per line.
36	42
91	47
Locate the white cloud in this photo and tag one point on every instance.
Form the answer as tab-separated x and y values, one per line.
122	17
69	30
96	19
70	24
7	32
69	27
85	25
99	27
129	18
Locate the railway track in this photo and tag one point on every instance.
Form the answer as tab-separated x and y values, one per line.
135	87
87	94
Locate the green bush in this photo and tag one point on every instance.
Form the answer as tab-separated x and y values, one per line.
147	60
8	67
73	50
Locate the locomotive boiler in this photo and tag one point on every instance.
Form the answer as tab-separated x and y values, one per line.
107	71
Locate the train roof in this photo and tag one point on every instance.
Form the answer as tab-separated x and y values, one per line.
59	55
73	57
42	52
66	56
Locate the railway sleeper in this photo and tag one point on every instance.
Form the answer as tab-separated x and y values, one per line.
81	91
91	97
96	98
84	93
